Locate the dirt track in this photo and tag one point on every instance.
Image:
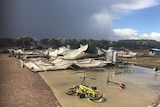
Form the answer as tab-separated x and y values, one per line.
21	88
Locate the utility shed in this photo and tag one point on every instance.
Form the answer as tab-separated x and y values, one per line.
154	51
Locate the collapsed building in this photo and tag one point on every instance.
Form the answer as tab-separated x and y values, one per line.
64	58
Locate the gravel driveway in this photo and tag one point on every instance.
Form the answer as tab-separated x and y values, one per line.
21	88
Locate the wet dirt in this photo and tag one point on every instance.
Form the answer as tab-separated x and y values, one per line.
142	86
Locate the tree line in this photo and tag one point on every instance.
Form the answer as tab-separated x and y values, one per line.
27	42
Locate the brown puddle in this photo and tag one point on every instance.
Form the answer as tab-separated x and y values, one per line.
142	86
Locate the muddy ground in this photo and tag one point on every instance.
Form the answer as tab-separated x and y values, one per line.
142	87
144	60
21	88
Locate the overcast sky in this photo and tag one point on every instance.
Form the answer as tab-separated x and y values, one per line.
94	19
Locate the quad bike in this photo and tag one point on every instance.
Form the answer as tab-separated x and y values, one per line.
82	90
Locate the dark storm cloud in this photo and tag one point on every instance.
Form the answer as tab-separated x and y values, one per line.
50	18
60	18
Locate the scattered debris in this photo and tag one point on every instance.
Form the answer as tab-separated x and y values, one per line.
155	69
121	85
64	58
155	103
126	53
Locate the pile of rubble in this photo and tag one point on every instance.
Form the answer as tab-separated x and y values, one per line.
62	58
155	103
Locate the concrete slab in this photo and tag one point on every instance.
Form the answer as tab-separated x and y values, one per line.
137	94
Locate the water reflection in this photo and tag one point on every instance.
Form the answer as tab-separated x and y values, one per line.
142	84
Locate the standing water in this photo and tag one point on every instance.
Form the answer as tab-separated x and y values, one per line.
142	86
